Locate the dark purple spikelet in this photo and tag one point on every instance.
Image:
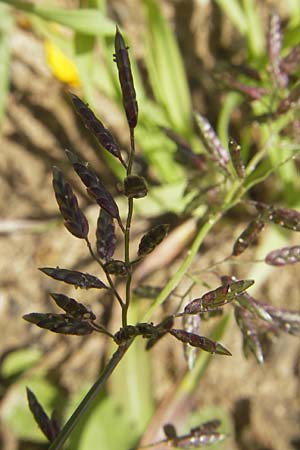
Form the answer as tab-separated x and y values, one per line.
274	49
256	308
105	236
284	256
78	279
285	217
212	142
60	323
135	186
121	57
96	127
116	267
248	236
199	341
72	307
46	425
74	219
220	296
250	331
94	186
147	330
236	158
284	319
291	61
152	239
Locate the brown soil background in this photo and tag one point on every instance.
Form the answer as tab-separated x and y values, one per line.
264	401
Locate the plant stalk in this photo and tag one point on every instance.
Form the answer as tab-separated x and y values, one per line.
63	435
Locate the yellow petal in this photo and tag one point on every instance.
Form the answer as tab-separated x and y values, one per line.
61	66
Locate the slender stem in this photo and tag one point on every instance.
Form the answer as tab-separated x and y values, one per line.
90	397
127	235
110	281
100	329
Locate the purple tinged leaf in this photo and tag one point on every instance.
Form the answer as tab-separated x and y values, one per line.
105	235
59	323
283	256
74	219
72	307
48	428
152	239
236	158
274	49
212	141
248	236
78	279
96	127
94	186
199	341
126	80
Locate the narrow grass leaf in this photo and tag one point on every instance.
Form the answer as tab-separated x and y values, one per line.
166	69
88	21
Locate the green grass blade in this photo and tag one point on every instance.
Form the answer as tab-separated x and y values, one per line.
234	12
255	32
88	21
166	70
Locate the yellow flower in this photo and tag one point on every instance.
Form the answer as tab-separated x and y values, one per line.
61	66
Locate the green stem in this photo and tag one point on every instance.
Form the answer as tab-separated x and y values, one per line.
63	435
